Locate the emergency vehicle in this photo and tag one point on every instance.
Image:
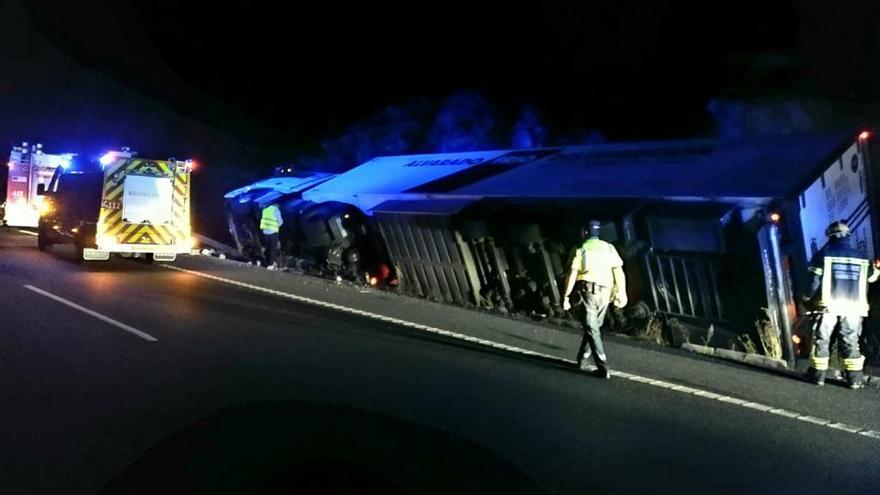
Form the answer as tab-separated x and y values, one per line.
28	168
119	204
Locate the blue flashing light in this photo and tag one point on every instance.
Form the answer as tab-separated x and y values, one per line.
108	158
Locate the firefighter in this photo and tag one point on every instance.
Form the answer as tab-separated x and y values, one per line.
595	281
839	290
270	224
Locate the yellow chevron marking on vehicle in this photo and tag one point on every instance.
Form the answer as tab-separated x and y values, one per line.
129	228
116	229
113	167
132	235
171	233
137	236
125	230
112	219
113	194
163	234
150	234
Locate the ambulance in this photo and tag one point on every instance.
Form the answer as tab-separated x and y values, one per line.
119	204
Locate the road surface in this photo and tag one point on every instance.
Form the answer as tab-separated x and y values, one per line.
124	377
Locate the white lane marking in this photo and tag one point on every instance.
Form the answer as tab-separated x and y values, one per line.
753	406
784	412
845	427
95	314
28	232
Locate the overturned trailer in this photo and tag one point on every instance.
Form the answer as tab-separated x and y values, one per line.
711	231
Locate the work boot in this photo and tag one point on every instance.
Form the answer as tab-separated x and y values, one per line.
856	380
816	377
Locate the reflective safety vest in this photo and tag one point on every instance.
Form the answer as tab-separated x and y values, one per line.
270	221
844	275
594	261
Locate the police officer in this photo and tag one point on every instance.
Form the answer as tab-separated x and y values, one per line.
270	224
596	280
839	289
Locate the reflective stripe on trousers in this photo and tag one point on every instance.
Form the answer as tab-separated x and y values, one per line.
850	328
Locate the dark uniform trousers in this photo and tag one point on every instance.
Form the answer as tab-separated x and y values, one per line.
850	330
271	248
590	302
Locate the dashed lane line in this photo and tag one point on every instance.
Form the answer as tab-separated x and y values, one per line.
705	394
95	314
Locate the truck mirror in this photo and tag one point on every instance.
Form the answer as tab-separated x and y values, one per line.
41	189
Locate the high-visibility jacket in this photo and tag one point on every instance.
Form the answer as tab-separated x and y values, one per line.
842	273
594	260
270	220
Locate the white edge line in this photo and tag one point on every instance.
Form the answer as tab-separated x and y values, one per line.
95	314
755	406
28	232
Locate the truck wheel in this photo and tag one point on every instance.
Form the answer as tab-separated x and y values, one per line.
78	251
43	242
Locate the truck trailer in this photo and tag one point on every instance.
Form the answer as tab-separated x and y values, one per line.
711	231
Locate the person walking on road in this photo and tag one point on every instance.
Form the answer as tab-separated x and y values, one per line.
270	224
839	290
595	281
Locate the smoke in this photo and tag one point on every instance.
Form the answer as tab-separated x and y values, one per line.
529	131
465	121
399	129
740	119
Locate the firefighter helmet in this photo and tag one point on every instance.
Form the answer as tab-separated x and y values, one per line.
837	229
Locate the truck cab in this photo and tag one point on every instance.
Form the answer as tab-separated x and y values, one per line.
71	205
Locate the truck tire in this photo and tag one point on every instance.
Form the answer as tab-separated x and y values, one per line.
43	242
78	249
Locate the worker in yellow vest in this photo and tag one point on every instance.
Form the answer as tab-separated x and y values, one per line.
270	224
595	281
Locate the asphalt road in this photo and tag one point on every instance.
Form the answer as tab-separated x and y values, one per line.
243	392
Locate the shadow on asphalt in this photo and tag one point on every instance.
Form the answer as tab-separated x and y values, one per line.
273	448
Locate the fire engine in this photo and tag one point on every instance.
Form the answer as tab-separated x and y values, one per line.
119	204
29	167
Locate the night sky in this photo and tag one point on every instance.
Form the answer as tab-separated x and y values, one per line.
286	75
242	86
